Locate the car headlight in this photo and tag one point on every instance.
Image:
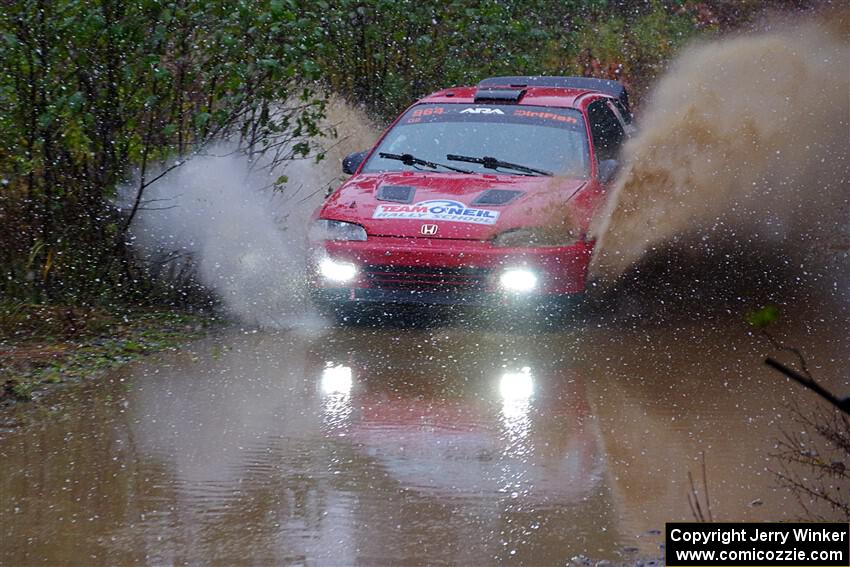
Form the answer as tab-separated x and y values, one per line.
518	280
336	271
535	237
324	229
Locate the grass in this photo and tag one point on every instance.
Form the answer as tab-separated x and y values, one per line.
42	346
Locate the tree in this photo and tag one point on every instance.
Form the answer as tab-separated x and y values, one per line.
100	89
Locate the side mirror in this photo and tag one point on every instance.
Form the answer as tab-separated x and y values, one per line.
352	161
607	170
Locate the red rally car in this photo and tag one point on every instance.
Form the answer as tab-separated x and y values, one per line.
474	196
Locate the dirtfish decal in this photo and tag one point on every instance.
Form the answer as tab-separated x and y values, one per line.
437	209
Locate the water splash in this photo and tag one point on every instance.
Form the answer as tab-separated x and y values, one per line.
217	216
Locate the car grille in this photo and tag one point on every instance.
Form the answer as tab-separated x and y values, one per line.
419	278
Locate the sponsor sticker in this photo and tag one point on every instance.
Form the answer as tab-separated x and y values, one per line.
437	209
545	116
481	110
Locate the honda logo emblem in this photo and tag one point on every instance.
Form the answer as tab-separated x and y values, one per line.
428	229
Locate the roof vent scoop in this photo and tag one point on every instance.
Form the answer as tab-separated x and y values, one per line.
498	96
611	88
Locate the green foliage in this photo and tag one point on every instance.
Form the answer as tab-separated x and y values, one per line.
97	93
21	391
763	317
36	357
385	53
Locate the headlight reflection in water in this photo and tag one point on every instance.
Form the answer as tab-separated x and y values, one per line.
516	390
336	384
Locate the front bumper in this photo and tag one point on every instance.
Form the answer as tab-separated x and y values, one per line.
335	298
447	271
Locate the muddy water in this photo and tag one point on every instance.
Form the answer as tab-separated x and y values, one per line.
407	446
723	154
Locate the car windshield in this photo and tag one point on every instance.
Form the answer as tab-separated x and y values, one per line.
542	138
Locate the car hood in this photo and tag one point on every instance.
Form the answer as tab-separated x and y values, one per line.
461	206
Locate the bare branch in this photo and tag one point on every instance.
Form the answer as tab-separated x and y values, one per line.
807	382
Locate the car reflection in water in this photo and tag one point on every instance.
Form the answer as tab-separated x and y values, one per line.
483	429
367	446
494	430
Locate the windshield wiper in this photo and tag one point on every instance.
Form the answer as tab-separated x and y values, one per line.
408	159
493	163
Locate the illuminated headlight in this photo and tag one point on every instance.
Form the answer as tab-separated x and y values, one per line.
517	386
336	271
536	237
324	229
518	280
336	379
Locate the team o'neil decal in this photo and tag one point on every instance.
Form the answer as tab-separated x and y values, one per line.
437	209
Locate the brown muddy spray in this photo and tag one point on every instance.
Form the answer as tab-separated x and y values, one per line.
744	145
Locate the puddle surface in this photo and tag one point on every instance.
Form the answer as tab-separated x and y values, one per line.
407	446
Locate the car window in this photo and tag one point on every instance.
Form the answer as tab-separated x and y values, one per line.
606	130
625	113
550	139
